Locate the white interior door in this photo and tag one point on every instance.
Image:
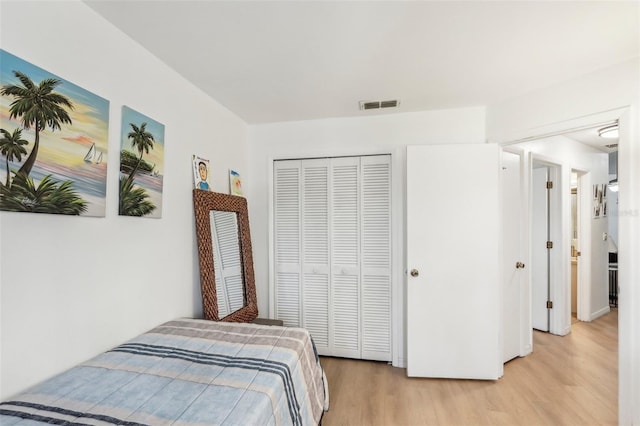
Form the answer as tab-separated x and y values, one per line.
513	264
539	252
453	258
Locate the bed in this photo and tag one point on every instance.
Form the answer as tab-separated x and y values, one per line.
186	372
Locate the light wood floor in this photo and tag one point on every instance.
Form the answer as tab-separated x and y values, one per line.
570	380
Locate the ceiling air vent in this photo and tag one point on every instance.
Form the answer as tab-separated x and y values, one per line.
365	105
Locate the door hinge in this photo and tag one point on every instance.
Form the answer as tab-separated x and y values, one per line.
549	184
549	244
549	304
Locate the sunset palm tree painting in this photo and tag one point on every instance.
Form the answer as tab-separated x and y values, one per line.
47	127
141	165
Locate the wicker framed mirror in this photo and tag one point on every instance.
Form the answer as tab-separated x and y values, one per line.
225	257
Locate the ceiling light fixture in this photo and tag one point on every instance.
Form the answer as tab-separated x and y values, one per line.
609	132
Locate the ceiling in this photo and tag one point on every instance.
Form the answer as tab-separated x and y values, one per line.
270	61
590	137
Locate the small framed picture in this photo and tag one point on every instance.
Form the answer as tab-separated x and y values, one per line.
201	173
600	200
235	183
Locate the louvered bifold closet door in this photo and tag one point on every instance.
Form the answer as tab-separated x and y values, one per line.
287	229
315	251
345	257
333	252
376	257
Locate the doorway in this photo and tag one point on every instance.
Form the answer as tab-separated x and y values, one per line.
594	237
563	155
580	216
575	253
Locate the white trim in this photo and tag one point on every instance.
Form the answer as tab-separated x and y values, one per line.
271	239
526	337
527	322
398	286
629	269
600	313
565	126
584	246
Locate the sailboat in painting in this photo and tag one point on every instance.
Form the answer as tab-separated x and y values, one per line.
93	156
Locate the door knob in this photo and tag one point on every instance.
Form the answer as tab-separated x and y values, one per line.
414	273
519	265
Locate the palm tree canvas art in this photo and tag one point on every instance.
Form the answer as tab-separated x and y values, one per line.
48	128
141	165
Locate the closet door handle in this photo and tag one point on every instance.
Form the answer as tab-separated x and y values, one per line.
414	272
519	265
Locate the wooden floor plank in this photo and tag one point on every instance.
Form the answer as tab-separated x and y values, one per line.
567	380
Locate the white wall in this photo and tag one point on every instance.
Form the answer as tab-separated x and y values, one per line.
610	93
569	154
72	287
350	136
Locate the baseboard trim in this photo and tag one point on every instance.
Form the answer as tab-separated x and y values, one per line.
599	313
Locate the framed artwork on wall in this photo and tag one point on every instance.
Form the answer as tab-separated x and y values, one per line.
235	183
53	142
599	200
141	165
201	173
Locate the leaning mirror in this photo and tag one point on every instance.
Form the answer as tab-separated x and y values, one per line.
225	257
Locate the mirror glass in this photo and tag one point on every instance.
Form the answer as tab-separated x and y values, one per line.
227	261
225	257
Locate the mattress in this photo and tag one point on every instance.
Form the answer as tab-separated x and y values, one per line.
186	372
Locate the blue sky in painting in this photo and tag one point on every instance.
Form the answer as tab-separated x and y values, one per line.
156	156
9	63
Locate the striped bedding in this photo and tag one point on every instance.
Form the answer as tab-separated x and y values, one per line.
186	372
